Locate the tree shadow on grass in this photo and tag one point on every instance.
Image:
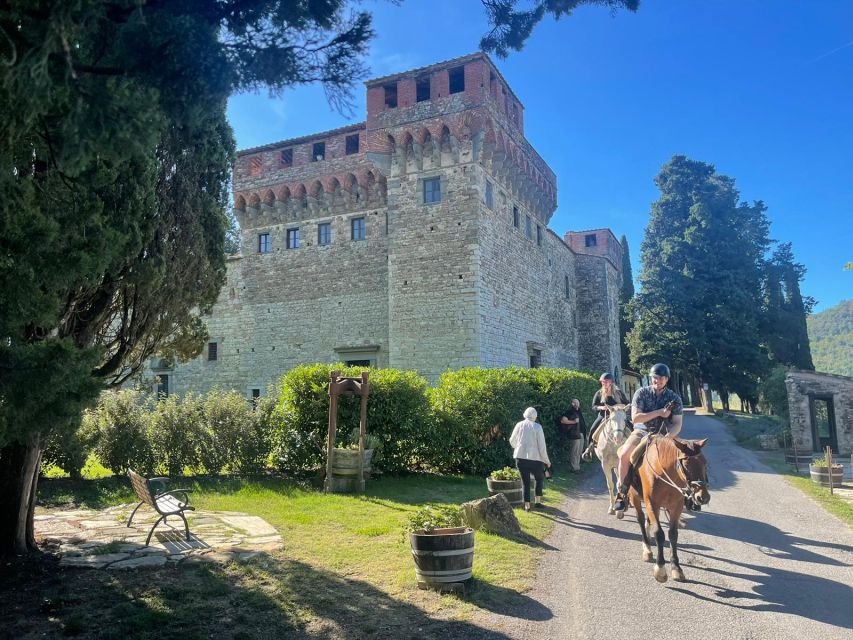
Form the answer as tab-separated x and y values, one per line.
267	597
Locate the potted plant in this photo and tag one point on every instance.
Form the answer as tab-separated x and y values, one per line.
508	482
442	547
822	473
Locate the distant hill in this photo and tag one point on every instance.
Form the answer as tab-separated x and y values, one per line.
831	339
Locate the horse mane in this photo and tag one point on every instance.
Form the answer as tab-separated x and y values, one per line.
665	451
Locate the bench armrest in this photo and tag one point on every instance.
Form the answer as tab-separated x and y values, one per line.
185	499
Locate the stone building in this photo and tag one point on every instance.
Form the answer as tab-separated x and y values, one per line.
820	408
417	239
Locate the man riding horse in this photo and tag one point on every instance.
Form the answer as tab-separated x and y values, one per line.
655	409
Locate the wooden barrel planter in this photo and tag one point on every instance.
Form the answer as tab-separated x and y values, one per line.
512	489
345	476
443	556
802	458
821	475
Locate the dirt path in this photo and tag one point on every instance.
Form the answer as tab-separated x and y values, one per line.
761	561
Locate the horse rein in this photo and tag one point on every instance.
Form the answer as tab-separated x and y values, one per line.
692	485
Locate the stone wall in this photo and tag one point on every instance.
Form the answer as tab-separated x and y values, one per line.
803	388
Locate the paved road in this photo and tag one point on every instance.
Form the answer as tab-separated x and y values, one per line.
761	561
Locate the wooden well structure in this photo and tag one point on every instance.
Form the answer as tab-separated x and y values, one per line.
353	480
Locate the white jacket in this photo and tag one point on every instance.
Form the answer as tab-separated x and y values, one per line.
528	441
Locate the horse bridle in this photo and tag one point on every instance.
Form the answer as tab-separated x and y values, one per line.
692	485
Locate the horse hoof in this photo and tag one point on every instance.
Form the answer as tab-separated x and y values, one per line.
620	515
611	511
660	573
648	556
682	524
677	575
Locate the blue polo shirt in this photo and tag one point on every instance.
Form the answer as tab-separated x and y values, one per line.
646	400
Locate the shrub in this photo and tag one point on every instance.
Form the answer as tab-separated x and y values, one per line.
68	450
227	433
476	410
431	518
397	414
119	428
175	432
507	473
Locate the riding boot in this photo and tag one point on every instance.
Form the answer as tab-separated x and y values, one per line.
621	502
586	456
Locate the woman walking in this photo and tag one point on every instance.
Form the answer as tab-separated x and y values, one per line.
531	456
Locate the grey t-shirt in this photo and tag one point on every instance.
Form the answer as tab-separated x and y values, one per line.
646	400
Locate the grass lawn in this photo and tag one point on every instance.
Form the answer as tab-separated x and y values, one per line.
345	570
745	427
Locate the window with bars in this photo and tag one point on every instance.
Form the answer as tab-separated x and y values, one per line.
212	351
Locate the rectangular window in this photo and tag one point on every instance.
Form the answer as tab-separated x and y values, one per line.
568	290
324	233
212	351
515	216
287	157
528	227
432	190
318	152
538	236
357	228
422	90
162	386
263	243
352	144
590	240
390	95
293	238
357	363
490	198
457	79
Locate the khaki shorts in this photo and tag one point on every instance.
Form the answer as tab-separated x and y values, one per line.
632	441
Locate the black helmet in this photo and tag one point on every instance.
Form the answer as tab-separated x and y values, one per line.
659	369
605	376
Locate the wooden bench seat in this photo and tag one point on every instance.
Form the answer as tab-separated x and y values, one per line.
165	502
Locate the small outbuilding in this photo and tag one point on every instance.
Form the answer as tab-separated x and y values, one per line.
821	410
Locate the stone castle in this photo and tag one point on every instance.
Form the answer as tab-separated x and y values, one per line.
418	240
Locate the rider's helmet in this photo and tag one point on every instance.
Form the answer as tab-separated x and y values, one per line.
659	370
605	376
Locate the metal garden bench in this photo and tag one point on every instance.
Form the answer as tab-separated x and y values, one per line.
165	502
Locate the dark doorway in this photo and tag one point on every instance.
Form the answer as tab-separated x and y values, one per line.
823	423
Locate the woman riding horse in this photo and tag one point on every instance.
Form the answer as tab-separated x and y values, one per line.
608	396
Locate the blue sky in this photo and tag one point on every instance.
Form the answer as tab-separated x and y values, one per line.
761	89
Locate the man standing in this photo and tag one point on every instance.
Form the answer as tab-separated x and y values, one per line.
573	426
654	409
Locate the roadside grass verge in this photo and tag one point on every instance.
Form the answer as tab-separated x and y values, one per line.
745	428
345	570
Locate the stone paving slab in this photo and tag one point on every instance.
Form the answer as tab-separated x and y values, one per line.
101	539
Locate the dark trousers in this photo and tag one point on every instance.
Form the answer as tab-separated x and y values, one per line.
527	467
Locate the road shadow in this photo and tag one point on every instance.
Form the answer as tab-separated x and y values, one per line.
780	591
507	602
768	538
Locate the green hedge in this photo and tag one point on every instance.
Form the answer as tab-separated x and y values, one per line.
461	425
476	410
398	414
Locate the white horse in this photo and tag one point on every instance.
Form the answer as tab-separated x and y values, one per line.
613	434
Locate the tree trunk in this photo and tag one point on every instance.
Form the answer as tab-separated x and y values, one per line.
19	464
707	403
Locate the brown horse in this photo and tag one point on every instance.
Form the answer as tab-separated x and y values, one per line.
672	471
